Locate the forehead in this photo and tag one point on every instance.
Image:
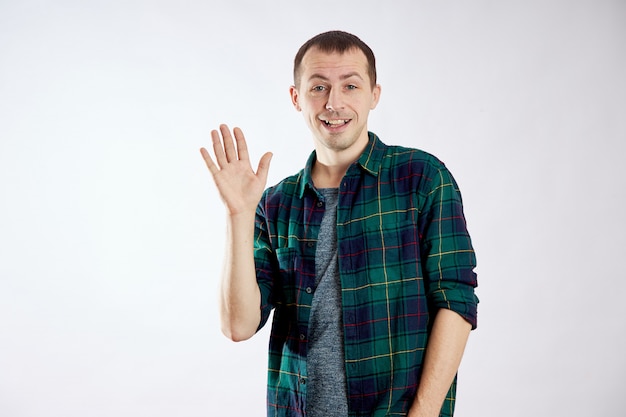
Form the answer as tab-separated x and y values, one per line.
317	63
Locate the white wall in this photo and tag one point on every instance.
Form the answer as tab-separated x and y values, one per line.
111	231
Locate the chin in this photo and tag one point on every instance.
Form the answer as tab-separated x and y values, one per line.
339	142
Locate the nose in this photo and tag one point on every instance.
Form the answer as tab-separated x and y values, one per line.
335	101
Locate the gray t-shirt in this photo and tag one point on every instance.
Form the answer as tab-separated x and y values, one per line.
326	386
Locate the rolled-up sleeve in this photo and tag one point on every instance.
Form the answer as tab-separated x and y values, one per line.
263	259
447	254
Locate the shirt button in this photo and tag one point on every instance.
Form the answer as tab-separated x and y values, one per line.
310	244
308	290
302	381
302	336
320	203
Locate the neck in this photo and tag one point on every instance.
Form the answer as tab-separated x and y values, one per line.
328	176
331	164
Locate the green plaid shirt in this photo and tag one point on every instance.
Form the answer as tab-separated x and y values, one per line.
404	252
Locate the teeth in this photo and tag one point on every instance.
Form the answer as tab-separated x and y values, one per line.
336	122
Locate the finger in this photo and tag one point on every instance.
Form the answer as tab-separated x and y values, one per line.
242	146
229	145
264	166
218	149
208	161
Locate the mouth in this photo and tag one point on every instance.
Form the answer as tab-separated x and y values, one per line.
335	123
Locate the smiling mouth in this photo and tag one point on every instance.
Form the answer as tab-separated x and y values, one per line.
336	122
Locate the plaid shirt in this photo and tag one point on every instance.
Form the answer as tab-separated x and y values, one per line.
404	252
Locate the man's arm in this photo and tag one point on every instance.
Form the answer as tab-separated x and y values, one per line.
443	356
240	297
240	189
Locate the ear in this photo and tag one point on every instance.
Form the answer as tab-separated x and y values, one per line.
294	98
375	96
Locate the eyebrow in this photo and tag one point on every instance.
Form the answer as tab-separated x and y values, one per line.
343	77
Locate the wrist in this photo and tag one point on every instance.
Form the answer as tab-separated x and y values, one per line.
423	409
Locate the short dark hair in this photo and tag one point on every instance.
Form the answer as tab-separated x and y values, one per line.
335	41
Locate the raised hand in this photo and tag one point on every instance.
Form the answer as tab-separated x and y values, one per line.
240	187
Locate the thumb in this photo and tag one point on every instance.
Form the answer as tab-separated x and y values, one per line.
264	166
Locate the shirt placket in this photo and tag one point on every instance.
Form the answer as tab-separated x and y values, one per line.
349	194
314	211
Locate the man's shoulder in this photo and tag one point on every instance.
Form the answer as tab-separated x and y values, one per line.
398	155
287	187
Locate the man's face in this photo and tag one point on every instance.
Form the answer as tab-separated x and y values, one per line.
335	97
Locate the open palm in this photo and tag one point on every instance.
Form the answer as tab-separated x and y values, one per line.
239	186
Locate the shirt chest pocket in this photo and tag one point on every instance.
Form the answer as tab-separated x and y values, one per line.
286	261
294	278
387	271
391	250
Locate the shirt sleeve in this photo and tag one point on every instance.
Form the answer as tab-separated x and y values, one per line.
264	263
448	257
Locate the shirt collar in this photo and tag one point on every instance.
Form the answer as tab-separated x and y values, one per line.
370	161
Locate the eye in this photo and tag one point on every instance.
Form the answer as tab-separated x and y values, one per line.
351	87
318	88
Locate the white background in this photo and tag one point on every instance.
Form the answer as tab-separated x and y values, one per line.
111	232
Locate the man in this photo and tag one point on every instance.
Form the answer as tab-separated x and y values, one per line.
363	255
